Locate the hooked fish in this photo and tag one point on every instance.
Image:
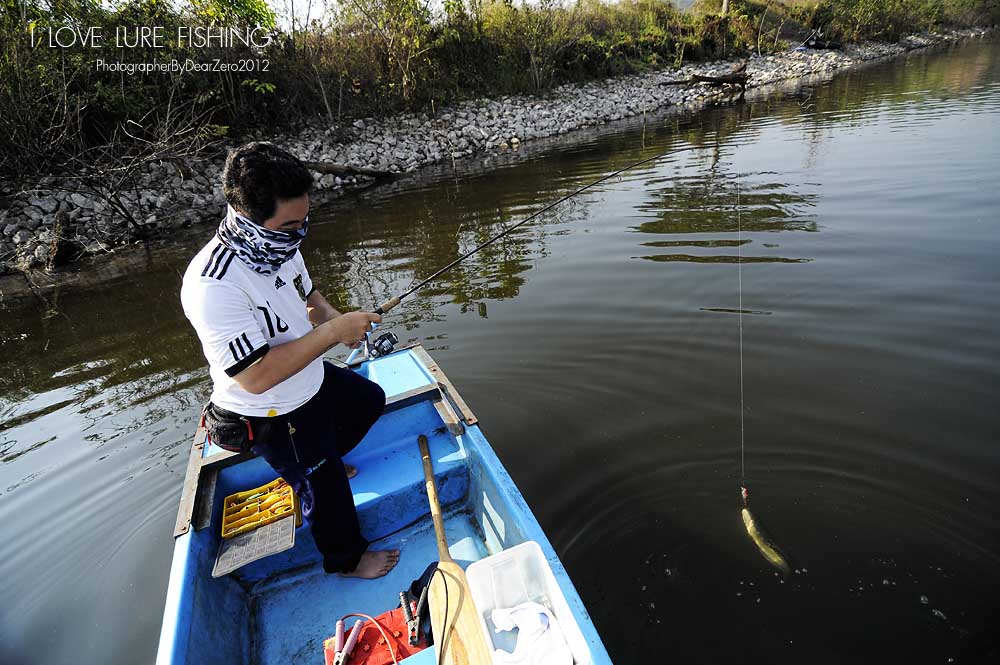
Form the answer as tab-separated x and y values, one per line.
767	549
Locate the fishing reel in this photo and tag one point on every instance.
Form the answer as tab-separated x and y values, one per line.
381	345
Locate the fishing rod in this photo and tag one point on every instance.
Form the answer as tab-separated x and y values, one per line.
385	342
392	302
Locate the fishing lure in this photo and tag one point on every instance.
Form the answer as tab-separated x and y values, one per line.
771	553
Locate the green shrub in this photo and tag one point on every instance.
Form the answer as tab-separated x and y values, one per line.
376	57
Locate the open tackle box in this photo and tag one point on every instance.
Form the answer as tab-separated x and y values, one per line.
254	525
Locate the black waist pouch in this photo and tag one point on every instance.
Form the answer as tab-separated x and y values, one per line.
233	432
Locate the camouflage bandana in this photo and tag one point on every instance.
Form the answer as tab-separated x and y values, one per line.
261	249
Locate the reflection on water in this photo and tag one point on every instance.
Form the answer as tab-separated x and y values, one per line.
721	259
696	243
730	310
607	384
700	204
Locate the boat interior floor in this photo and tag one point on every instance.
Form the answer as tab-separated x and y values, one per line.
293	611
288	603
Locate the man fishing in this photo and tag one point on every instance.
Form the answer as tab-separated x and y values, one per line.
264	327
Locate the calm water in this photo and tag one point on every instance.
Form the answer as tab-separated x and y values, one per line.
597	349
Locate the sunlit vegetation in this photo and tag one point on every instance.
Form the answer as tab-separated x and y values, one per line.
371	57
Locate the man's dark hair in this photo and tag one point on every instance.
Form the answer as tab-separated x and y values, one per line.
258	174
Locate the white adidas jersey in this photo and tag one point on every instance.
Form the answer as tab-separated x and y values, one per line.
239	314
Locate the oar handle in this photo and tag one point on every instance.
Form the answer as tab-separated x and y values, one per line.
387	305
432	498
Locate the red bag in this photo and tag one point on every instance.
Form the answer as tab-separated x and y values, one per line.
371	648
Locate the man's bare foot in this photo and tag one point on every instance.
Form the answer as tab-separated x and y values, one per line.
375	564
351	470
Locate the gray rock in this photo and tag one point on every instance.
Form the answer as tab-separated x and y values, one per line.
9	230
81	201
22	236
42	253
474	132
47	204
31	223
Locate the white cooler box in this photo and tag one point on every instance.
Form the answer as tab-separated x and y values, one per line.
519	575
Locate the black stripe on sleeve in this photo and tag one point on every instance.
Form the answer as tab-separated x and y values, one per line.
210	259
222	274
232	350
239	345
249	360
218	260
247	340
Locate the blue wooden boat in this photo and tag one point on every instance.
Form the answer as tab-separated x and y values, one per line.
279	609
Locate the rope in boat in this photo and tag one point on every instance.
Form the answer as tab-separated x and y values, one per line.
388	643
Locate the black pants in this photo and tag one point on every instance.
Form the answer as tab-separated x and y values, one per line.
305	447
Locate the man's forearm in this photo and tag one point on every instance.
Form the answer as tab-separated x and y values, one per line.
285	360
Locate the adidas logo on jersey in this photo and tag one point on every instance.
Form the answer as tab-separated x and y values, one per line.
278	282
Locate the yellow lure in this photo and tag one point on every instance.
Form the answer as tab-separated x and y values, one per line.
763	543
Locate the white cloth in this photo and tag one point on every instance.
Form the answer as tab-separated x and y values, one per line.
540	640
238	315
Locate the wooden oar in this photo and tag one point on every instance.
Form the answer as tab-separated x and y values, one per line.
458	636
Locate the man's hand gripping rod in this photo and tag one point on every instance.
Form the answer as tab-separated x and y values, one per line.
366	344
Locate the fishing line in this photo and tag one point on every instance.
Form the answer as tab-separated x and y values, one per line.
739	277
768	549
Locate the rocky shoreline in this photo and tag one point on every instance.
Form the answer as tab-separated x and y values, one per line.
46	227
